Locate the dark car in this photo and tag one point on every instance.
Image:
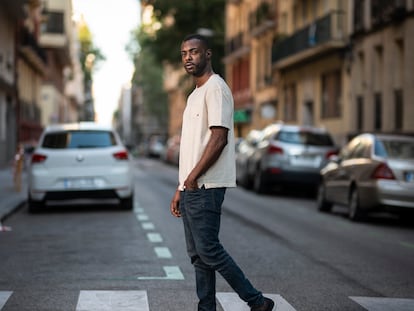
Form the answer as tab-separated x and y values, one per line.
373	172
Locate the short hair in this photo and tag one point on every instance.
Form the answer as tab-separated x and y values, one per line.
199	37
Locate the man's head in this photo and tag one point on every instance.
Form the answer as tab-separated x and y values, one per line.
196	55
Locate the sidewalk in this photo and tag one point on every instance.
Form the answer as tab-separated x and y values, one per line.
10	199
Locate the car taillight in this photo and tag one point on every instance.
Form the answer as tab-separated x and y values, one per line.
121	155
274	150
331	153
383	172
38	158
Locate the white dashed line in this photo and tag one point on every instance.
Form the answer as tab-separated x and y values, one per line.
163	252
142	217
154	237
171	273
147	226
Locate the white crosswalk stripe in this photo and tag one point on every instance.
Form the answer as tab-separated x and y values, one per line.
105	300
231	301
385	304
137	300
3	298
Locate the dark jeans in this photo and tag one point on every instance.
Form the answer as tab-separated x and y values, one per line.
201	211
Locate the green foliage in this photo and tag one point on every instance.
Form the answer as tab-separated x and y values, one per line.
188	17
149	76
151	46
87	48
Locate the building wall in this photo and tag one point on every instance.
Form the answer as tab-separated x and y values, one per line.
7	96
383	64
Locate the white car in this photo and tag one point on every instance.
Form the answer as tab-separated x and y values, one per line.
77	162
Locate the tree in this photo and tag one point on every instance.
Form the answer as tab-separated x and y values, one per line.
90	56
180	18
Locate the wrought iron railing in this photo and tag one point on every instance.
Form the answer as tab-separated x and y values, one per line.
327	28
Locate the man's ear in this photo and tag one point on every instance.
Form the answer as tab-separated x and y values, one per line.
208	53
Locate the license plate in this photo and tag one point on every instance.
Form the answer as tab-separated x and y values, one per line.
308	161
79	183
409	176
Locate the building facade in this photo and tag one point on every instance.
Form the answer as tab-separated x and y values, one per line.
36	64
343	65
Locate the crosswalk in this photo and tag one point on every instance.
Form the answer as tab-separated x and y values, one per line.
137	300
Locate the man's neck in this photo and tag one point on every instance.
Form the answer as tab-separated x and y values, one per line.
199	81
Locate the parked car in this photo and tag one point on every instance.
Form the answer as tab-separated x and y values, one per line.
156	147
80	161
373	172
244	151
172	150
290	154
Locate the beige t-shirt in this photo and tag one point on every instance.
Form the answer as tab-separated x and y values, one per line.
207	106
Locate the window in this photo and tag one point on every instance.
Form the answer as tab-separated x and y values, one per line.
2	120
54	23
290	103
377	111
305	138
78	139
360	151
397	149
399	109
331	94
359	15
360	113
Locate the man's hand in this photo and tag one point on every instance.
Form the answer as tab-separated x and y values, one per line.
174	205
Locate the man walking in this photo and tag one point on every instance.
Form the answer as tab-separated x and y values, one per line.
206	169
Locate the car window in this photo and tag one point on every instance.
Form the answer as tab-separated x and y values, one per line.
305	138
360	151
346	152
394	149
78	139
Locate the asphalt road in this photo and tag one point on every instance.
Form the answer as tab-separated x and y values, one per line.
87	258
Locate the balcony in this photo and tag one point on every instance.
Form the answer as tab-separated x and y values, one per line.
235	48
262	19
31	50
323	35
54	33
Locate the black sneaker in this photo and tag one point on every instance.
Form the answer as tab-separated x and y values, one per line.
266	306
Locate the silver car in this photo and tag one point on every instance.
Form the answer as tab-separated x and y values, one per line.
290	154
373	172
244	151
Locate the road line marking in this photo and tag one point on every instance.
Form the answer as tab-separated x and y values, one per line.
154	237
142	217
148	226
232	301
171	273
162	252
138	210
106	300
4	296
384	304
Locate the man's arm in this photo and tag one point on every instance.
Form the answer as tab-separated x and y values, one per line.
215	145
